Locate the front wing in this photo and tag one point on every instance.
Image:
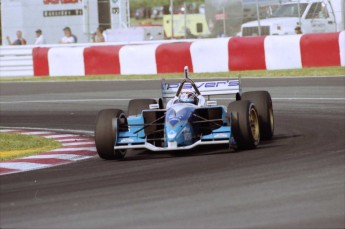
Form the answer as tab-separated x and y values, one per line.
221	135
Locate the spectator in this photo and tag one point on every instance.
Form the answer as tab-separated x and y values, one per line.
93	35
20	40
39	38
189	34
99	35
75	38
68	38
298	30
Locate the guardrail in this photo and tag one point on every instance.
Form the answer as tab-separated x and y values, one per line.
16	61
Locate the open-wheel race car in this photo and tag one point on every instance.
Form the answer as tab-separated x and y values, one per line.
189	119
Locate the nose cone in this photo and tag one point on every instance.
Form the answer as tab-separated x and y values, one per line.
171	135
173	122
179	135
177	128
171	139
174	132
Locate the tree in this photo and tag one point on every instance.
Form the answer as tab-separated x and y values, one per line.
134	4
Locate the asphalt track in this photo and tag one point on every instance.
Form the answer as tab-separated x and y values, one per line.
294	181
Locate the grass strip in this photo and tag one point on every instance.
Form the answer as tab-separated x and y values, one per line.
15	145
325	71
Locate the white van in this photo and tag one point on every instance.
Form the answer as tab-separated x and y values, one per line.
313	16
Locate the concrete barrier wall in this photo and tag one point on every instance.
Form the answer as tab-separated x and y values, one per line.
105	56
283	56
204	55
247	53
321	50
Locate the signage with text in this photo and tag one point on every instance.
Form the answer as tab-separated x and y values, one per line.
47	2
59	13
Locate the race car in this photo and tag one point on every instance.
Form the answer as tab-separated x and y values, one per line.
188	120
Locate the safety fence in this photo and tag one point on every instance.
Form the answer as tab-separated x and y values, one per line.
200	55
16	61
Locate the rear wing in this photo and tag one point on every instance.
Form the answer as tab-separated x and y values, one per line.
207	88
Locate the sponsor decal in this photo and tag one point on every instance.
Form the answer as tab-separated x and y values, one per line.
220	135
205	85
126	140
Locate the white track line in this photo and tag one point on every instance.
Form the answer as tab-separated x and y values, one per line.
71	157
71	143
11	129
54	80
23	166
61	136
308	98
62	101
72	140
74	149
36	132
127	99
78	143
7	131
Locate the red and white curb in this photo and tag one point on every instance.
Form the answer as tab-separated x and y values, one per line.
74	148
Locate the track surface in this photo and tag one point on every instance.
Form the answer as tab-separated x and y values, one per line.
294	181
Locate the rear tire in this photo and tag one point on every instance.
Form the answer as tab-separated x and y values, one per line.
263	104
135	106
244	124
161	103
106	134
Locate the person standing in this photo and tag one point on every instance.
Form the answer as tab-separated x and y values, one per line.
298	30
99	35
68	38
39	38
20	40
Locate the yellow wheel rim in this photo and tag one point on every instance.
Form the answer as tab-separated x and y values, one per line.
271	118
254	125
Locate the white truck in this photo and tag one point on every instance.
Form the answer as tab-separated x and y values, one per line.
313	16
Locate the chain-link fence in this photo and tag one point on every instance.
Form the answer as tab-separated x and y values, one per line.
185	19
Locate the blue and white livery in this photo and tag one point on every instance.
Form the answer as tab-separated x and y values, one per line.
189	119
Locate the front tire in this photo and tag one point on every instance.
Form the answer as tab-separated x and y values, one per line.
135	106
244	124
263	104
107	126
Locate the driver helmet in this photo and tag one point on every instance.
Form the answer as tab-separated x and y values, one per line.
188	97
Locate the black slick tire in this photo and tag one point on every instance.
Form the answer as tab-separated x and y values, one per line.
244	124
106	134
263	103
135	106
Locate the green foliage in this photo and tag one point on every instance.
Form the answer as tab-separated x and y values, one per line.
134	4
324	71
15	145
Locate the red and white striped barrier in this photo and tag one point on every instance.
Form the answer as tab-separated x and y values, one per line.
206	55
